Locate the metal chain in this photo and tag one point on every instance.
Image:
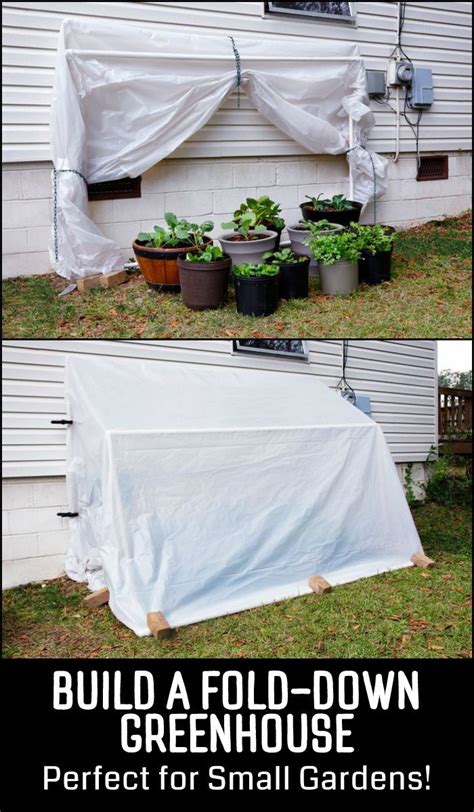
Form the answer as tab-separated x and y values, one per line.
373	174
55	205
237	68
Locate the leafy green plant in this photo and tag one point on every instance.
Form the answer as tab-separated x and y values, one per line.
179	232
245	223
314	228
373	238
246	269
331	248
253	213
198	233
210	253
335	203
285	255
340	203
266	210
317	204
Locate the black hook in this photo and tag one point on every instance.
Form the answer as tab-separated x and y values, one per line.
62	422
68	515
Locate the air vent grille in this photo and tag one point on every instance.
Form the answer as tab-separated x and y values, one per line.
115	189
433	167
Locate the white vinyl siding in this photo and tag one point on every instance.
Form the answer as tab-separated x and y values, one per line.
436	35
399	377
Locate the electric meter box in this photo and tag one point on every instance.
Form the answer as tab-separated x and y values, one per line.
420	92
399	73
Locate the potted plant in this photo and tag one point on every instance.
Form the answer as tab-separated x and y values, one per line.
256	288
338	255
300	232
249	239
294	272
337	209
157	251
268	213
204	276
375	244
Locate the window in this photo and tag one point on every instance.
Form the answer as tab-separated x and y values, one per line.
115	189
433	167
332	12
289	347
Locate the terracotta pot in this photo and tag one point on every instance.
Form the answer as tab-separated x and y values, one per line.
159	265
204	284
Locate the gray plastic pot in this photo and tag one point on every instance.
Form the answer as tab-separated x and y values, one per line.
341	277
248	251
298	234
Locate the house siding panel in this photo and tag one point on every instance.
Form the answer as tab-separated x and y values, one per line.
399	377
434	35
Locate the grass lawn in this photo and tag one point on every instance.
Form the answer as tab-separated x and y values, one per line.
429	295
407	613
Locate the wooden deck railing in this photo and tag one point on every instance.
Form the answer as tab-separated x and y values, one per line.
455	419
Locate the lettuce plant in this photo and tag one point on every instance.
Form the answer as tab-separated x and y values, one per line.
255	270
284	255
331	248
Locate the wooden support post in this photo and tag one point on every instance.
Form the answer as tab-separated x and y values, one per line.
158	625
420	560
319	585
97	598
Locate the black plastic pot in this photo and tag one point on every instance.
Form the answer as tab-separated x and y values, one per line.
375	268
344	218
294	278
272	227
256	295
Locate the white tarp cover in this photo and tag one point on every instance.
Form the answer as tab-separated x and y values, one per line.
125	97
204	490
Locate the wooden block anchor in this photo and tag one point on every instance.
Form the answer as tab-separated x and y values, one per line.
319	585
420	560
107	280
159	626
97	598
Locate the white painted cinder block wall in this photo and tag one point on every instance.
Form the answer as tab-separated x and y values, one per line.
35	538
198	188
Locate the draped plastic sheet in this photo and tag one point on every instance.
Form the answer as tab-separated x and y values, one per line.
204	490
117	112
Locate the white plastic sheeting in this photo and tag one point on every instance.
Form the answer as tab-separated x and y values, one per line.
204	490
125	97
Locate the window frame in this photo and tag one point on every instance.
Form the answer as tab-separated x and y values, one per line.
271	353
316	16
